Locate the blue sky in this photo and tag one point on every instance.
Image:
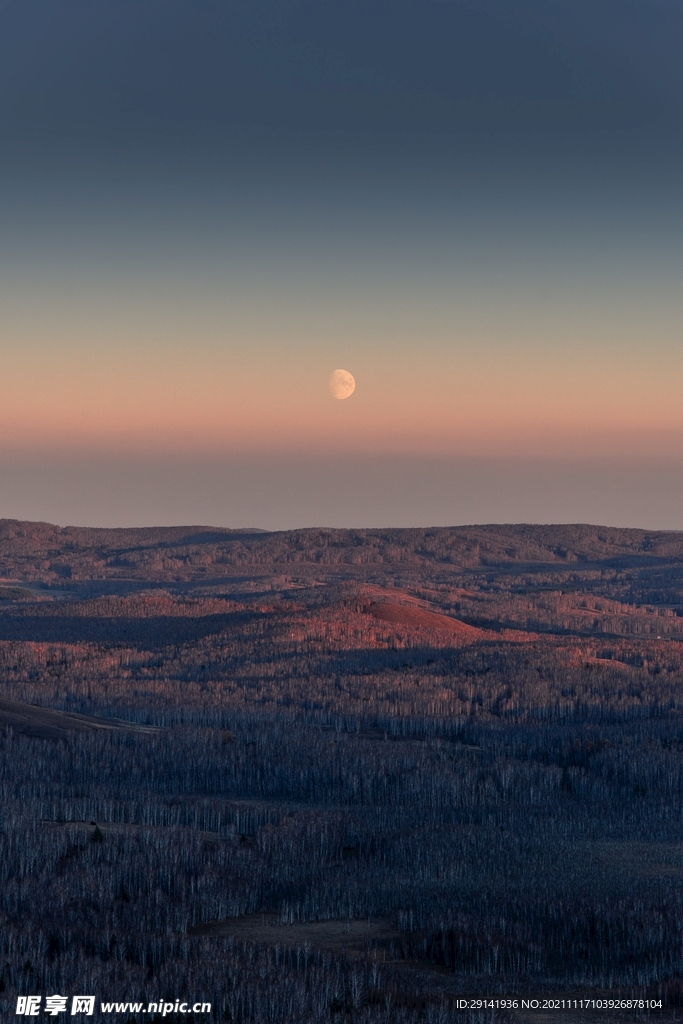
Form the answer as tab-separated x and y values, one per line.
207	207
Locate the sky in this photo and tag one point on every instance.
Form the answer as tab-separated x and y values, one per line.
473	207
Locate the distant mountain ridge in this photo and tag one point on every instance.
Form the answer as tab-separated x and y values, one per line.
42	551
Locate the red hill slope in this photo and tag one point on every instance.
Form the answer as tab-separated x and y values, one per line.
409	615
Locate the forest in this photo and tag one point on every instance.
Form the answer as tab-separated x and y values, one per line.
358	777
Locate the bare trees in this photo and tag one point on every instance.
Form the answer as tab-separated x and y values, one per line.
506	810
494	858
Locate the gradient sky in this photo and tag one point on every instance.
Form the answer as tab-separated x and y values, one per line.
475	207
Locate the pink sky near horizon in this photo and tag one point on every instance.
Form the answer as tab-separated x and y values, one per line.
471	331
472	400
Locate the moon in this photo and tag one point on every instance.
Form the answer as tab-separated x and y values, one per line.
342	384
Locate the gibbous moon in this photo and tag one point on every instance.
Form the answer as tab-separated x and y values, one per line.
342	384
